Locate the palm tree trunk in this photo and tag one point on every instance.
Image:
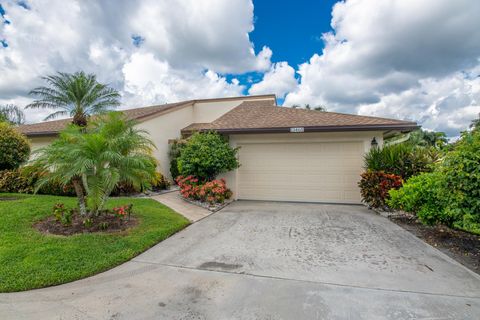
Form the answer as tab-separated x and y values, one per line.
102	204
77	185
80	120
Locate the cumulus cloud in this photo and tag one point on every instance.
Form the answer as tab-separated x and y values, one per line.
188	44
280	80
405	58
148	79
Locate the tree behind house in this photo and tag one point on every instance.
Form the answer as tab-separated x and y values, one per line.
12	114
77	95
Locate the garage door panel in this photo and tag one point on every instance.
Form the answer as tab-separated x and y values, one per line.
321	172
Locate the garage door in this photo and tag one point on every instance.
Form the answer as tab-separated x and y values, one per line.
317	172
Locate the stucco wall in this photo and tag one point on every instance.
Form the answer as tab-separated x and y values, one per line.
237	140
167	126
208	111
40	142
164	128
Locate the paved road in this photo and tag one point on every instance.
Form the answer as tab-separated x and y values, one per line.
266	260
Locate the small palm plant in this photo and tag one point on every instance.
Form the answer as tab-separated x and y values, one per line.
78	95
108	151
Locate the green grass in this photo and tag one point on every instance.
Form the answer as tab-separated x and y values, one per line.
30	259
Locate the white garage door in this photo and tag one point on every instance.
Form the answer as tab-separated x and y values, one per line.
317	172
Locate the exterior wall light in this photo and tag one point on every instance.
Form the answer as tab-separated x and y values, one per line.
374	143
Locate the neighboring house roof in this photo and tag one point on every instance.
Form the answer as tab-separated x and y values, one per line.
49	128
256	117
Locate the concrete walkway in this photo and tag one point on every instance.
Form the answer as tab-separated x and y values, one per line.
267	260
188	210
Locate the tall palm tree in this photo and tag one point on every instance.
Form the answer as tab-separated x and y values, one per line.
78	95
12	114
108	151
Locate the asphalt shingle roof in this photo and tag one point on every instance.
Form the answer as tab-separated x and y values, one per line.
256	117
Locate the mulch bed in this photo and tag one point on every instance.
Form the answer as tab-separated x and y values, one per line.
462	246
51	226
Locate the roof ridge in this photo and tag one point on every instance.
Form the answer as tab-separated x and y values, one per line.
343	114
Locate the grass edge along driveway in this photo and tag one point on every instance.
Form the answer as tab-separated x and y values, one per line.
30	259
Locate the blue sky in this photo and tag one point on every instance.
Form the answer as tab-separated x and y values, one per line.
415	60
292	29
291	39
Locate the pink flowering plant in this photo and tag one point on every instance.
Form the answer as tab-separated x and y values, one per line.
214	191
123	211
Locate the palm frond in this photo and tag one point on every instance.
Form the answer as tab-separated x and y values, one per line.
79	94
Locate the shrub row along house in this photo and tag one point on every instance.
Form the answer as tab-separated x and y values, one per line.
284	153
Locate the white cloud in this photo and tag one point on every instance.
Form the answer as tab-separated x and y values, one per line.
186	42
403	58
280	80
447	104
148	79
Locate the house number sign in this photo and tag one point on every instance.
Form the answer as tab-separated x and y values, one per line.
297	129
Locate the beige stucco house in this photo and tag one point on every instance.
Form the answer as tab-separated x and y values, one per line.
285	154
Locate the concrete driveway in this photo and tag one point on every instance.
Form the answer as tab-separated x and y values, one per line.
266	260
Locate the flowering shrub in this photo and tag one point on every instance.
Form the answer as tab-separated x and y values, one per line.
375	185
123	211
189	187
214	191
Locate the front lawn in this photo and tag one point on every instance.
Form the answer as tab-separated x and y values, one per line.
30	259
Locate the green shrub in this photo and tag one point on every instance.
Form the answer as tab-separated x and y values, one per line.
206	155
461	169
157	182
13	181
23	180
424	195
14	147
374	187
402	159
451	193
174	152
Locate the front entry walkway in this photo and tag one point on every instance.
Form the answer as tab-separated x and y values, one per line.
269	260
188	210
